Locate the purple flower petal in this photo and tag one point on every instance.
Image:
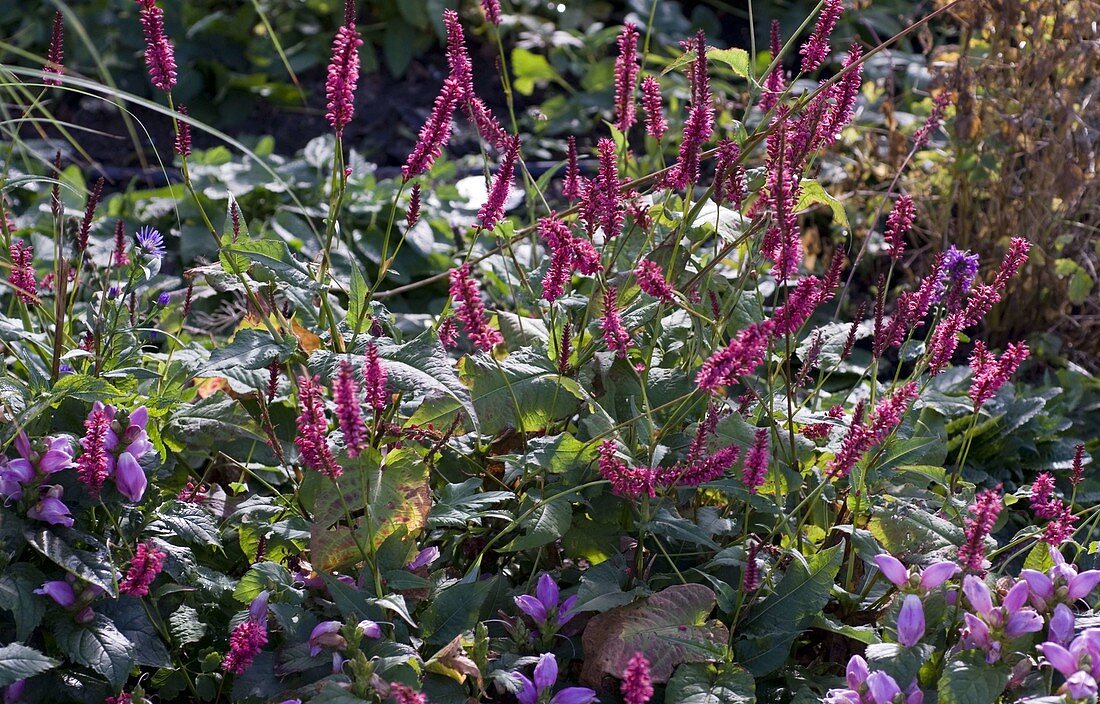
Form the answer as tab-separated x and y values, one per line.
882	687
1040	584
936	574
55	461
892	569
257	610
1059	657
60	591
321	636
19	470
51	510
1083	584
130	477
546	672
1016	597
1081	686
527	693
139	417
547	591
911	621
531	606
566	612
574	695
842	696
856	672
1061	625
370	629
977	593
1021	622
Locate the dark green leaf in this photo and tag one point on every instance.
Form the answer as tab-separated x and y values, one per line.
18	662
93	567
703	683
98	645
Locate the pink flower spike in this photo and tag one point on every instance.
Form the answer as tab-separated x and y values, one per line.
21	278
471	311
898	225
729	176
626	77
989	374
436	131
601	203
655	124
755	471
939	105
345	391
775	83
1077	473
986	508
312	438
492	212
343	76
374	376
627	482
412	213
245	643
491	8
615	335
571	187
182	143
56	55
651	279
144	568
637	687
741	357
160	56
95	463
816	49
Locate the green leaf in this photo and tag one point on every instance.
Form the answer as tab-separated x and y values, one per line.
524	393
463	503
98	645
705	683
454	610
547	523
186	626
93	567
774	623
670	627
1039	558
18	662
357	298
250	349
736	59
264	575
530	68
17	585
907	529
133	623
813	193
189	522
968	679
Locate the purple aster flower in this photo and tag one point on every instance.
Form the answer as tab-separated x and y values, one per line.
960	267
60	591
151	242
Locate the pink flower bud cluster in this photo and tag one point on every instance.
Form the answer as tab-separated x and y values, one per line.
898	225
1045	505
567	255
699	124
471	311
730	184
571	187
626	77
492	211
144	568
987	506
755	471
342	77
637	686
601	200
775	83
615	336
56	54
160	56
345	392
742	356
21	277
312	438
655	124
626	481
816	49
989	373
861	436
651	279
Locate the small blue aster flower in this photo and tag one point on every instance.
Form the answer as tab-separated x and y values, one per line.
162	299
151	242
960	267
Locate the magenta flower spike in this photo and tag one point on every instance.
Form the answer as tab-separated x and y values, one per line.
342	77
312	438
144	568
345	392
21	278
56	54
655	124
492	212
626	77
637	686
816	49
160	56
471	311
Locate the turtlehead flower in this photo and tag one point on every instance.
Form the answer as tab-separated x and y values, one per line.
545	607
987	628
1062	584
910	621
60	591
866	687
1079	664
546	675
917	581
423	558
326	634
50	509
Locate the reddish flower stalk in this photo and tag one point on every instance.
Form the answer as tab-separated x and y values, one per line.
944	340
729	176
412	213
816	49
655	124
862	437
144	568
374	376
448	332
349	12
799	306
602	203
651	279
699	124
343	75
182	142
21	277
491	8
626	77
1014	259
568	253
312	439
984	511
492	212
782	243
1043	502
898	225
89	215
939	105
273	374
458	58
843	93
750	582
94	464
1077	473
627	482
615	336
755	471
471	311
56	55
565	349
775	83
160	56
989	373
245	643
571	187
741	357
345	392
637	686
435	133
